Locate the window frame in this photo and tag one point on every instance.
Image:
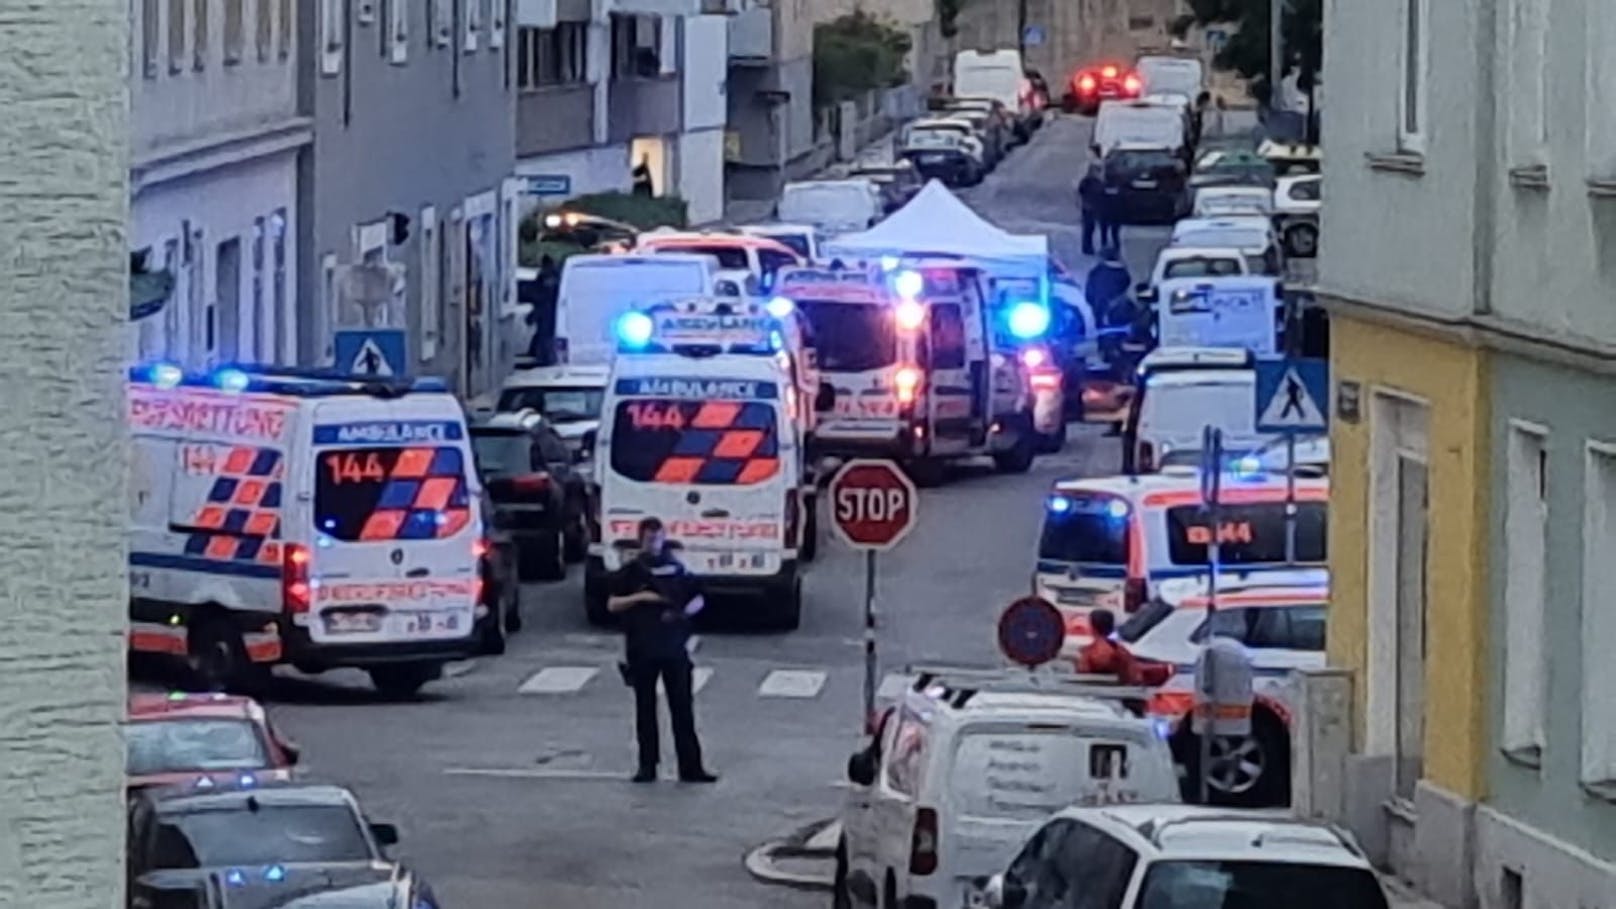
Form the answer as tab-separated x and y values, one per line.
938	360
471	18
891	782
283	41
332	35
264	28
1414	77
1521	735
398	32
203	26
1597	761
177	35
1526	35
430	253
151	37
235	32
1599	69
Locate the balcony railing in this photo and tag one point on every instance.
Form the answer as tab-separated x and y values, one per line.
644	107
555	118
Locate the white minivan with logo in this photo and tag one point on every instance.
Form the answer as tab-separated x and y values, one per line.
292	517
710	446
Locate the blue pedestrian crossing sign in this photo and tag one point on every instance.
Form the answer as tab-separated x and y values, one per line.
378	352
1033	35
1293	395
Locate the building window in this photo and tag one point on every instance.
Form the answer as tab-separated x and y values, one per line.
1599	113
431	254
1526	528
442	30
365	11
284	346
1528	83
328	301
333	35
496	23
235	31
264	28
199	48
471	13
176	36
263	349
151	37
283	47
636	42
1411	101
552	56
398	31
1599	621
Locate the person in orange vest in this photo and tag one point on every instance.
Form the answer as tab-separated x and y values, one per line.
1103	656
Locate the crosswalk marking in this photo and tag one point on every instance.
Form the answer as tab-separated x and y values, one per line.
792	683
558	680
892	685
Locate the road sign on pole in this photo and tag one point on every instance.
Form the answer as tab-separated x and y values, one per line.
1211	496
1033	36
1293	395
873	509
1031	632
379	352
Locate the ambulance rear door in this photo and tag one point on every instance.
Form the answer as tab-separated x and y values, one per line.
396	533
954	330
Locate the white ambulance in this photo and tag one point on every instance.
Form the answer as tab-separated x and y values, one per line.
917	374
296	517
701	430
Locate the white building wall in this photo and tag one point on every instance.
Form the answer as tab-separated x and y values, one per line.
701	174
706	72
240	202
600	169
63	591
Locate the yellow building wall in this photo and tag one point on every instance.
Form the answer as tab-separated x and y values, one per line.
1451	378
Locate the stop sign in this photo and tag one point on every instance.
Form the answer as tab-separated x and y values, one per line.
872	504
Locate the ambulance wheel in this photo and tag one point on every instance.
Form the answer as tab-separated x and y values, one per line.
404	680
786	606
1052	442
217	658
545	559
808	550
576	541
1019	458
513	615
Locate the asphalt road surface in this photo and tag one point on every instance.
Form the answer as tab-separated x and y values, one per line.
510	780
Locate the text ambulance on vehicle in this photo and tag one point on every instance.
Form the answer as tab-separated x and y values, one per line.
701	430
1109	542
302	518
916	373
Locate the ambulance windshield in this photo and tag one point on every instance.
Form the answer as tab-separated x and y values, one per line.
374	494
851	337
719	443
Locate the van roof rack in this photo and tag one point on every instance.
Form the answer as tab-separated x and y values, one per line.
285	380
964	682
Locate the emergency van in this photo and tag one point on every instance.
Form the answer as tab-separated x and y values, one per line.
1109	542
967	764
701	429
597	289
917	374
305	518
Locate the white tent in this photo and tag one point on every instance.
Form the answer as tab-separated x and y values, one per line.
936	223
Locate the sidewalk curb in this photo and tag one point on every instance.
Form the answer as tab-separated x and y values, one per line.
760	862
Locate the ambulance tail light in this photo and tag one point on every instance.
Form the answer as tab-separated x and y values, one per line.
923	843
296	584
907	381
481	550
1133	595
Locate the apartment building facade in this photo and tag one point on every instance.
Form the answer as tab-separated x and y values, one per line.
64	325
771	94
1471	529
608	85
407	195
215	134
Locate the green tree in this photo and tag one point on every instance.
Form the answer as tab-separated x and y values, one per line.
1246	52
857	53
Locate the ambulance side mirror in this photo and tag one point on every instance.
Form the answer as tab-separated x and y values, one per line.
825	400
1145	293
861	768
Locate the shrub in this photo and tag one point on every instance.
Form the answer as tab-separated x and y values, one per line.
856	54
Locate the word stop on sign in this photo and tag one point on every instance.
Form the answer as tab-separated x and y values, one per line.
858	506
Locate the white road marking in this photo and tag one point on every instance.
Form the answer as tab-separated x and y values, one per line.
892	685
698	680
558	680
792	683
524	773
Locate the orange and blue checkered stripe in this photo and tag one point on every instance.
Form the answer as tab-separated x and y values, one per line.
727	443
241	519
425	497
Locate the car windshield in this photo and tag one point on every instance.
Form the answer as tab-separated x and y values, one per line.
851	337
182	744
558	404
1136	162
1085	529
1258	885
261	835
502	453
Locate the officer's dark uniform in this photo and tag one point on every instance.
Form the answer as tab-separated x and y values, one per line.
657	635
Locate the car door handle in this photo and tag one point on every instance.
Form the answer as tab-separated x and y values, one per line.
715	513
417	572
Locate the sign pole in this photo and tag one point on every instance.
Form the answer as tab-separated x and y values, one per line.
1290	498
869	635
1212	488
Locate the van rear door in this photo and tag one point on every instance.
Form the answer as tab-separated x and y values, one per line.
712	458
396	531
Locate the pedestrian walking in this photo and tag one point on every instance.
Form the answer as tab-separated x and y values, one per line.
1091	196
657	597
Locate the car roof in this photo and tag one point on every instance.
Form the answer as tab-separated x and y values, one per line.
145	707
539	376
1166	831
686	239
930	122
221	797
525	420
1176	253
1196	358
776	227
1222	222
1202	375
847	182
1261	587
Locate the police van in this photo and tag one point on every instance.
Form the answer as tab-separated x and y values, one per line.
284	516
701	429
913	359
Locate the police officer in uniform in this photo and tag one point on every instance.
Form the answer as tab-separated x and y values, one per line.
657	597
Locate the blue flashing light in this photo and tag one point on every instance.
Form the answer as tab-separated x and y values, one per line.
1059	505
780	307
890	263
1029	320
233	380
776	340
634	329
275	873
235	878
246	781
1248	467
909	284
1117	509
167	375
1164	728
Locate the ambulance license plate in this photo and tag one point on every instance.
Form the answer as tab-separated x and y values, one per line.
353	621
430	622
744	562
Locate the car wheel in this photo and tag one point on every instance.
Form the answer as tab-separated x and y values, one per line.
786	608
513	611
549	557
1019	458
216	657
809	548
1052	442
1302	240
404	680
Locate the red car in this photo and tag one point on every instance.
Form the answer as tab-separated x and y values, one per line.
180	738
1094	84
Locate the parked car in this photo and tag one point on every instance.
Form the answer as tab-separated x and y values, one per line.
995	139
897	180
1148	183
501	574
1297	201
944	150
1105	82
1231	167
179	737
539	497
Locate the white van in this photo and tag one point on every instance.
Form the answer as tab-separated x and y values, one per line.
1235	311
710	445
1253	235
597	289
831	206
996	74
966	766
293	517
1138	123
1171	75
1177	399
